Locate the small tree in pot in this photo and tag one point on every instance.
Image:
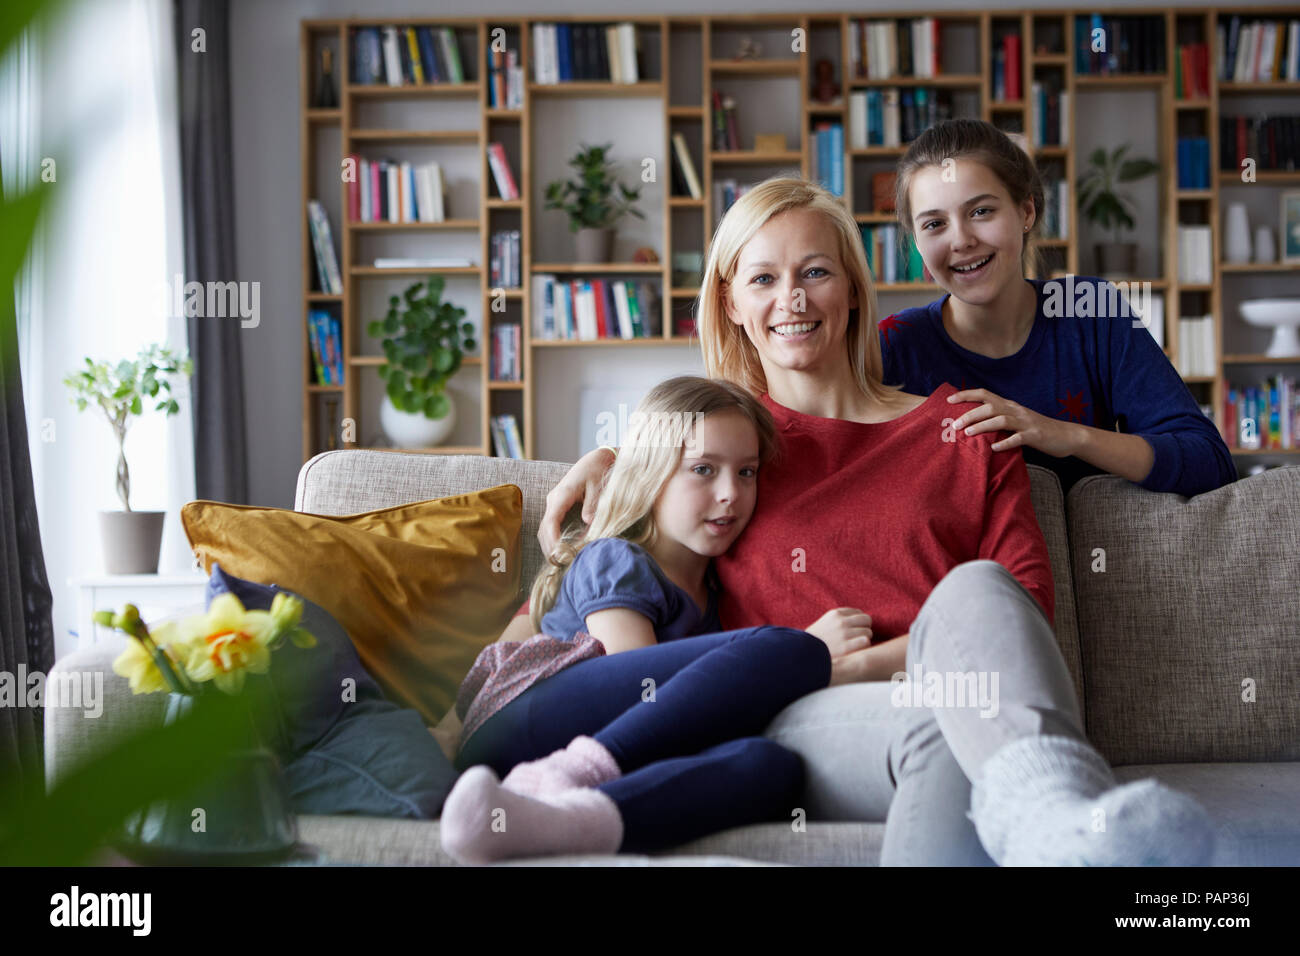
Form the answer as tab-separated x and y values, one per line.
424	342
593	205
1103	205
131	538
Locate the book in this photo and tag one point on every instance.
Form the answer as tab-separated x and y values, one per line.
502	175
682	154
323	242
317	349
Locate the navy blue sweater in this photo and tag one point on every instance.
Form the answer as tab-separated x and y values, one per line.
1097	371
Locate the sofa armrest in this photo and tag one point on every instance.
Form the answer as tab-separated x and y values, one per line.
88	707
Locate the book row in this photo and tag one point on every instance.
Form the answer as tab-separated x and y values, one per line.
1196	346
505	79
1193	162
385	190
726	132
399	56
1049	115
1259	51
507	354
1106	44
1192	72
505	436
893	117
586	51
326	346
328	277
504	260
881	49
1007	69
828	156
1195	258
594	309
1273	142
890	261
1263	416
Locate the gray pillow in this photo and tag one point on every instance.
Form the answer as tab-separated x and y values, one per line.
364	755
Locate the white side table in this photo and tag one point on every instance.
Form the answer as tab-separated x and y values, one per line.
156	595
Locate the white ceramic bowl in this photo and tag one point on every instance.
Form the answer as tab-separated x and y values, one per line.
1281	315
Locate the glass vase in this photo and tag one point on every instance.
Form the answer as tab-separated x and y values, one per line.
241	815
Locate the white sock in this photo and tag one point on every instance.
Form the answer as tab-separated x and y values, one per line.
482	821
1053	801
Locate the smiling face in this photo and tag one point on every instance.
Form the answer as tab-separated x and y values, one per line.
710	497
792	294
969	231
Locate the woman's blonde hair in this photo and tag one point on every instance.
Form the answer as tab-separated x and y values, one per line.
728	352
658	431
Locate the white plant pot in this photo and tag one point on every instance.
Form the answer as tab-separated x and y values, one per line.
410	430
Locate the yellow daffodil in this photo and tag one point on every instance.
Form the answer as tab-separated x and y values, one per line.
221	646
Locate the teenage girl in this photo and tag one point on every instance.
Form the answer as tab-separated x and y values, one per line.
651	718
1042	357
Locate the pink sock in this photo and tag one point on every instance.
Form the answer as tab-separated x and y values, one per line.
584	763
483	822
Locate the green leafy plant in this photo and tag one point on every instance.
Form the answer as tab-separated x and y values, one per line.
1099	197
591	200
120	390
423	345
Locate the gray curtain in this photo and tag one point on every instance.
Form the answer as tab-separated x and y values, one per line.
26	628
208	201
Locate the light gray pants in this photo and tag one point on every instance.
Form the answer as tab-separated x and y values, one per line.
873	751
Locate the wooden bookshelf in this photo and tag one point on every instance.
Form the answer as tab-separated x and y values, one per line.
687	58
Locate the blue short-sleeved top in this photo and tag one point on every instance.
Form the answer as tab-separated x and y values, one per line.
613	572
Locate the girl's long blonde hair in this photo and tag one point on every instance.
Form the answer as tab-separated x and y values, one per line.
658	431
728	352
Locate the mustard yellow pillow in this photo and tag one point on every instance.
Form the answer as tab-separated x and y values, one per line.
420	588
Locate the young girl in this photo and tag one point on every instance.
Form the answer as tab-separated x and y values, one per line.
877	501
1053	362
661	726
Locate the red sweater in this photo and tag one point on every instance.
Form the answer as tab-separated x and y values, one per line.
874	515
819	539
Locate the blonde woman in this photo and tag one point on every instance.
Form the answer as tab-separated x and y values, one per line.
879	507
627	721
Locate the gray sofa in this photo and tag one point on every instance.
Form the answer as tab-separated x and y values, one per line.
1179	620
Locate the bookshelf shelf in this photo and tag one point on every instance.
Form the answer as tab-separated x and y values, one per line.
1259	452
683	59
373	271
377	91
597	88
1237	267
414	136
413	226
1259	360
755	156
942	80
770	67
603	267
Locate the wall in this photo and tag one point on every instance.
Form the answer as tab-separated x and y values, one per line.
267	189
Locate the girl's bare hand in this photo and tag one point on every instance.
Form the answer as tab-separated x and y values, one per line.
843	630
581	483
1051	436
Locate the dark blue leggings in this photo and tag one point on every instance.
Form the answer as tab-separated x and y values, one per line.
684	721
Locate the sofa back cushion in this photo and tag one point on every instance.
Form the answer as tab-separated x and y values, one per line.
1049	507
1189	619
345	482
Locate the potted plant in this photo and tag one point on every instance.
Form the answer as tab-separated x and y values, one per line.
1101	202
593	204
131	539
423	345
